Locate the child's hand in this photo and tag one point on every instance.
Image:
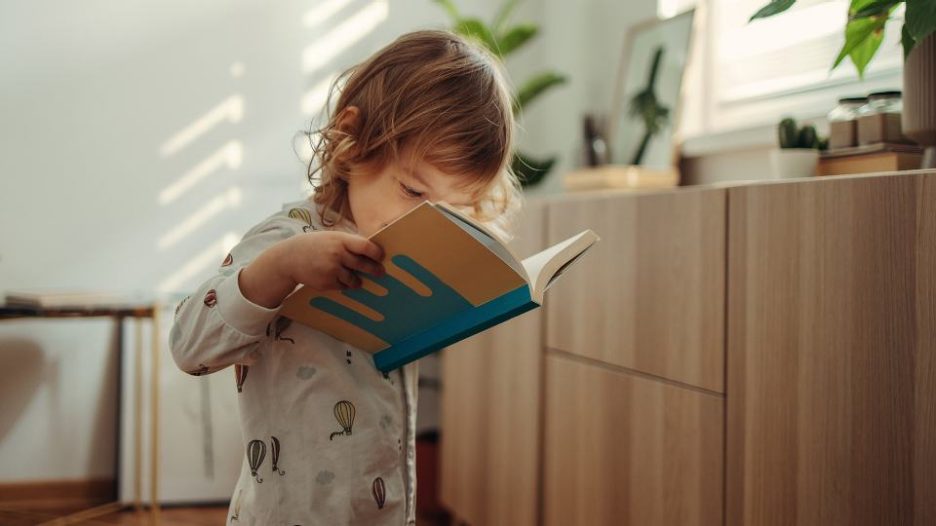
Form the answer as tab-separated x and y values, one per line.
322	260
325	260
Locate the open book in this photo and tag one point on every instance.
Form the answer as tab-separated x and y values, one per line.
448	277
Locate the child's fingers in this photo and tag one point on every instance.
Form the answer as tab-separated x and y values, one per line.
364	247
362	264
347	278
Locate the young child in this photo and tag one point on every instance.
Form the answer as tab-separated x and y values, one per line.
329	439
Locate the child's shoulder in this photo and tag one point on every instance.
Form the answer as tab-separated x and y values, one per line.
302	215
299	217
294	217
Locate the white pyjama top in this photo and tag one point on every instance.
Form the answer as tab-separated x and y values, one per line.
327	438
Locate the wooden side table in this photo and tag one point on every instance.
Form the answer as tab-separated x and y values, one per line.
119	313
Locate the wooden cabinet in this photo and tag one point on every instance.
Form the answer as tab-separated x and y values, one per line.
490	416
650	296
634	403
761	354
831	342
626	449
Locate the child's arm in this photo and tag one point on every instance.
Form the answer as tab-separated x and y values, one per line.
223	322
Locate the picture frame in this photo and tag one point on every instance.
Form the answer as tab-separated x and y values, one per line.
648	93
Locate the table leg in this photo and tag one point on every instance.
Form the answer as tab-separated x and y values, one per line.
138	414
154	450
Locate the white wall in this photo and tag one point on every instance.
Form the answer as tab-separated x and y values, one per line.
139	140
584	41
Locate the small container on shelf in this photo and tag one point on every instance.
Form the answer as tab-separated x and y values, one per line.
843	129
879	119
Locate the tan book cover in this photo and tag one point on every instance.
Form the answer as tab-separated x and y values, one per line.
448	277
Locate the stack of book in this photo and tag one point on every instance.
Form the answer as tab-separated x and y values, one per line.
881	157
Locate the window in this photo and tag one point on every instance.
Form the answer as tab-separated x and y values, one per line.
749	75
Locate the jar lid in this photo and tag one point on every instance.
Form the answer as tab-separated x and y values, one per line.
884	94
853	100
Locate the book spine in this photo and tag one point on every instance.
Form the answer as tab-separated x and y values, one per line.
500	309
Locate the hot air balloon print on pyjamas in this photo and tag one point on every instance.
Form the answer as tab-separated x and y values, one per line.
256	450
275	449
379	491
237	504
211	298
240	374
201	371
179	306
344	413
278	327
228	261
301	214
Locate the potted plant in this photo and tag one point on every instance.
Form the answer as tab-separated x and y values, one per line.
864	32
501	40
798	154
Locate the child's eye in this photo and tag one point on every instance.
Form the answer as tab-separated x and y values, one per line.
410	192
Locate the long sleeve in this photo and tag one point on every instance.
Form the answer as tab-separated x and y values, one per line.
217	326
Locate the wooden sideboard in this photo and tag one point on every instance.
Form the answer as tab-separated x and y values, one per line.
750	354
832	352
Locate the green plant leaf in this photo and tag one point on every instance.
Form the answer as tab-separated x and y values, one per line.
516	37
866	8
773	8
920	18
906	40
857	5
502	15
862	54
531	171
474	28
863	37
450	9
536	86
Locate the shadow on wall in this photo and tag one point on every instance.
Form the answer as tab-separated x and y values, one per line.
23	373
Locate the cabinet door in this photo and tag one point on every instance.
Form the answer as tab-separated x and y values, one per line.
624	449
490	413
650	296
832	352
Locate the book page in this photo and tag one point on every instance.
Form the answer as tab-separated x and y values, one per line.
545	266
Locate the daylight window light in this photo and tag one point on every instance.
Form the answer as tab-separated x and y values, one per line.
231	110
344	35
773	34
230	155
203	214
323	11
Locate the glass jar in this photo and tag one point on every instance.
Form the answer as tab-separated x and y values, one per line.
882	102
842	128
847	109
879	119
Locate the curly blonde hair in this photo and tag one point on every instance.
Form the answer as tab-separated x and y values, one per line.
437	97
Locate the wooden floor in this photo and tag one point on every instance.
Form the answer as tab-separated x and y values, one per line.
174	516
191	516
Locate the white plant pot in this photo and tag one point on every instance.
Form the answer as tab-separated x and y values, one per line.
791	163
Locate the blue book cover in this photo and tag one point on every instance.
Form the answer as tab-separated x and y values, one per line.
447	278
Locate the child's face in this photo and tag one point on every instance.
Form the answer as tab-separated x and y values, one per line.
378	197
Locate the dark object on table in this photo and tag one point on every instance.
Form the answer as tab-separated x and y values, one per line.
596	147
